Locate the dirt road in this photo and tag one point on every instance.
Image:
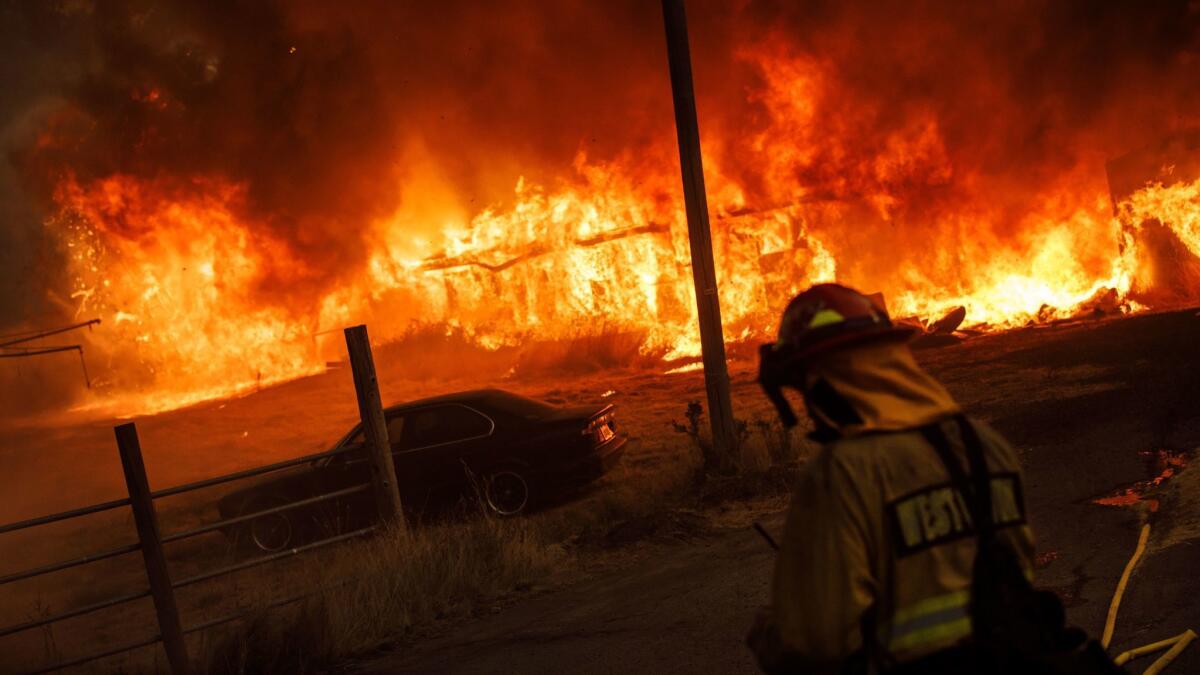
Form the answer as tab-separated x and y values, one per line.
682	609
1093	409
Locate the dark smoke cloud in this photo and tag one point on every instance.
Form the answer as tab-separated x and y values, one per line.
1021	91
311	106
31	77
219	89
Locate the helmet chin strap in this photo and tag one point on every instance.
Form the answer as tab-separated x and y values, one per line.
829	408
772	377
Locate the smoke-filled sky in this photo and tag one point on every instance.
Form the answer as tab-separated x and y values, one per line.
321	110
953	125
330	113
326	110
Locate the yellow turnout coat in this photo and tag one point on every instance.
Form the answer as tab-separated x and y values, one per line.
875	523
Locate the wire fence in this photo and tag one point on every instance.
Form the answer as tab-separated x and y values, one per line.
141	500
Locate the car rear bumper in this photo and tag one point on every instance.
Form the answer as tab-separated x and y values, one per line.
599	461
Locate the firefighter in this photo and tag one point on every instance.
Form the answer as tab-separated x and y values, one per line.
878	560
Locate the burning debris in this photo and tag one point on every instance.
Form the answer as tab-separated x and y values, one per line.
949	323
1155	191
1162	465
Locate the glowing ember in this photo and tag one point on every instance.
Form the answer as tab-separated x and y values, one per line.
1166	463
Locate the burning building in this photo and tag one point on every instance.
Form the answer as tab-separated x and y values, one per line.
224	183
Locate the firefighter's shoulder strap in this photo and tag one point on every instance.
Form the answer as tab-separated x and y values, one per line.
997	575
977	490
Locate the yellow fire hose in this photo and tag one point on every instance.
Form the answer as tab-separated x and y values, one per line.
1111	622
1175	644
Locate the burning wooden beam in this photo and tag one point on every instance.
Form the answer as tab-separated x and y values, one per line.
537	250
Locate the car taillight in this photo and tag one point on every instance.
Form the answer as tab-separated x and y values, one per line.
595	425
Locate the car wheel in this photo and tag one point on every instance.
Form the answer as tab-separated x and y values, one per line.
273	532
506	492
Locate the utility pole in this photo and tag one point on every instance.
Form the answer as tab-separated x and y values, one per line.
708	305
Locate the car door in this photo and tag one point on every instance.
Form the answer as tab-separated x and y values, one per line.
433	441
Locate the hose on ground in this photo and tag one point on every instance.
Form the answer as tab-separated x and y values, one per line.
1173	645
1111	621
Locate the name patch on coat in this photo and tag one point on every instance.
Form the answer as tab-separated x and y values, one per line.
939	514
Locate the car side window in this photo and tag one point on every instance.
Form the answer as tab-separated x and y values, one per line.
395	429
442	424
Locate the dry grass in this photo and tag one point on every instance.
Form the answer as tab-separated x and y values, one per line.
401	583
397	582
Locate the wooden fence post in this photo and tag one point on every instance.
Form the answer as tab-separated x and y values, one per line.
152	550
370	409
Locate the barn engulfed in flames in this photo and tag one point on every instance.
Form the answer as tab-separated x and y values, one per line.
810	179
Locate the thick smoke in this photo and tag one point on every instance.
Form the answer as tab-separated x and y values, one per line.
316	108
1022	104
935	116
1033	86
957	128
323	111
181	93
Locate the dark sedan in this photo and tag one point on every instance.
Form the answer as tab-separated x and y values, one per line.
509	450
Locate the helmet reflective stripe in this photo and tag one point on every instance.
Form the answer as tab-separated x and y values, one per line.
931	623
825	317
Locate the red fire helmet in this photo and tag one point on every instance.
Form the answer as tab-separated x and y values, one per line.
825	317
828	316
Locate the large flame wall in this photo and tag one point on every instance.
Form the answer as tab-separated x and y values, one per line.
224	193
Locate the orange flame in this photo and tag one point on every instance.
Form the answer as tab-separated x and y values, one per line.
174	280
177	274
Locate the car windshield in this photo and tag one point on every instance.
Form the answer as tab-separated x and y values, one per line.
355	435
519	406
